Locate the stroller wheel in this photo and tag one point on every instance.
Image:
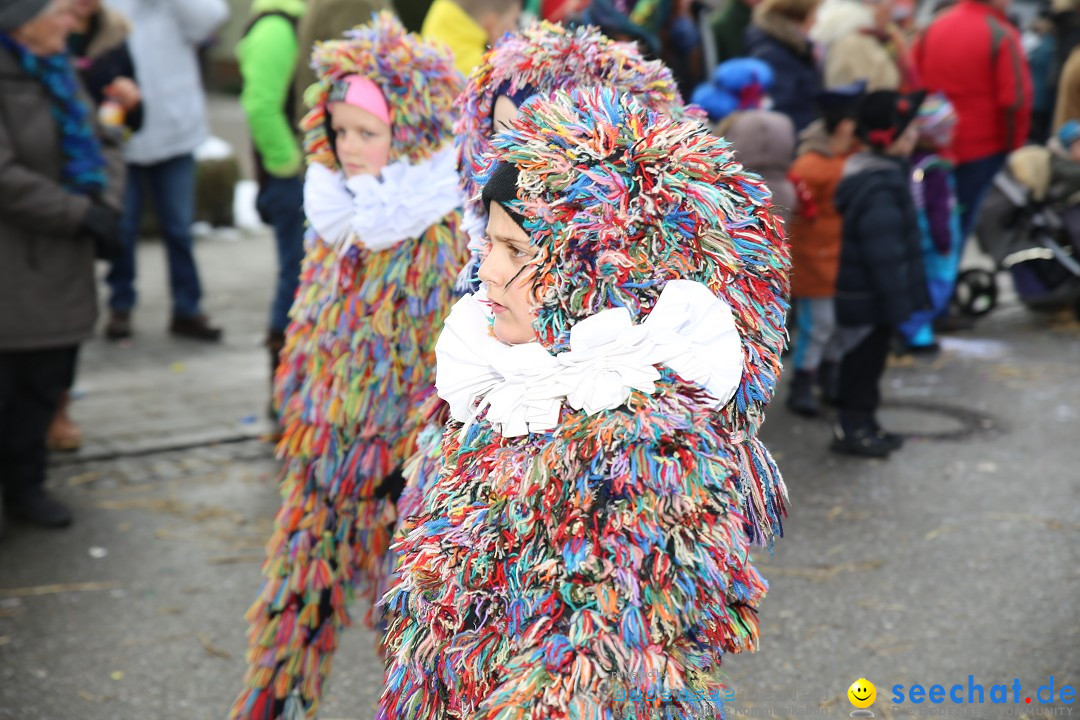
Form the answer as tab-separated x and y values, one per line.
976	293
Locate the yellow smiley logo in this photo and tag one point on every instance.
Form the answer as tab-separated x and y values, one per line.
862	693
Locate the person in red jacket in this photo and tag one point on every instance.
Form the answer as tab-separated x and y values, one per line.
973	55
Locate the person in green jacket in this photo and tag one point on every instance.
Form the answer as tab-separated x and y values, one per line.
268	55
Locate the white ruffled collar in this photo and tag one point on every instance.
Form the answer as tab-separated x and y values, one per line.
523	387
378	213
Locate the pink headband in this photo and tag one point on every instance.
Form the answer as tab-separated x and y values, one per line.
363	93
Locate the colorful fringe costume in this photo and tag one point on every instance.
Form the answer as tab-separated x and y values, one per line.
548	57
358	362
563	561
542	58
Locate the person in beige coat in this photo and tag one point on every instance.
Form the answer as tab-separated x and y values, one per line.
1068	98
856	37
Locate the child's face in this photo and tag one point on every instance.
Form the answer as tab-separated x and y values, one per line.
1074	151
362	140
509	277
502	114
845	134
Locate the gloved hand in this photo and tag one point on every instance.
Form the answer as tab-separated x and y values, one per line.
102	224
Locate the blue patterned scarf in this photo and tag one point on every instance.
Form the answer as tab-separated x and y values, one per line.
84	165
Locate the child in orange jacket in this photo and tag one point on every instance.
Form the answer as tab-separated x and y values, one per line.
815	244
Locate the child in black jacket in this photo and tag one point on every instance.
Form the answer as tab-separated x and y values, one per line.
881	280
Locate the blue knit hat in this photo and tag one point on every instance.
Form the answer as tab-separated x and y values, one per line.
1069	133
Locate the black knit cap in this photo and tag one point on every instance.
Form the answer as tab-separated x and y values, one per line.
502	188
884	115
16	13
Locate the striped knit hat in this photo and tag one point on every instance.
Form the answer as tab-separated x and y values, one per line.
936	121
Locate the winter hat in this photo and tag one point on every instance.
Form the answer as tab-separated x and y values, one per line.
16	13
357	90
1069	133
501	188
936	120
841	99
546	57
884	115
620	199
737	84
417	80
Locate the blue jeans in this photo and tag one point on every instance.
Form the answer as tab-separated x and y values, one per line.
973	180
172	185
281	205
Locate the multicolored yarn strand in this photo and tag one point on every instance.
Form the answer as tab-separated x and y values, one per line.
357	368
579	172
548	57
418	85
543	571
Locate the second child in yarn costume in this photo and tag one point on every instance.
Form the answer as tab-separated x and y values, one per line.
384	250
585	525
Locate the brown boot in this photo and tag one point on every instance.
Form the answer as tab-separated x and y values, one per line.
197	327
275	341
64	435
119	325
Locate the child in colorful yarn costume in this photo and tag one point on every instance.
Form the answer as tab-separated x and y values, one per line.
384	250
585	527
547	57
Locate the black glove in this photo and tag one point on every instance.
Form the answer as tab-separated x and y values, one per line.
102	224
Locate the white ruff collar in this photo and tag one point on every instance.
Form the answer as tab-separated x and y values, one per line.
523	387
379	212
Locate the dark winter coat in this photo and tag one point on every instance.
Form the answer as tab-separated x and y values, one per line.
47	290
102	56
881	279
780	43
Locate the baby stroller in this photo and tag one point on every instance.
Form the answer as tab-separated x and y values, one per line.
1027	235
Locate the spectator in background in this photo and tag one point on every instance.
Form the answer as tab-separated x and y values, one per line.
58	206
326	20
860	43
468	27
98	48
763	140
267	56
933	188
778	36
972	54
881	280
729	29
814	235
1067	103
1041	61
160	156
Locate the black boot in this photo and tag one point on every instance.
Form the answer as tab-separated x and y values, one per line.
893	440
860	438
828	381
37	507
275	342
801	400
